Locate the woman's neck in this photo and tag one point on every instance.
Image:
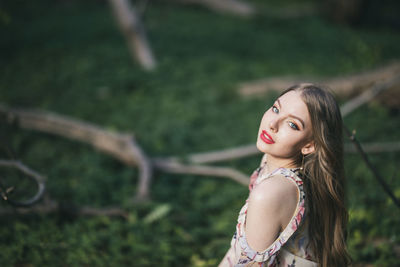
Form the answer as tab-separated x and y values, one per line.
274	163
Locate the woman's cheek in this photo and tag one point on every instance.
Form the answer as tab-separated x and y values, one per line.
285	136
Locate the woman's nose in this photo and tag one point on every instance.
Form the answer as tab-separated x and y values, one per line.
273	125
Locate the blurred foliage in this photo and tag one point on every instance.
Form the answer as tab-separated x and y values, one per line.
67	56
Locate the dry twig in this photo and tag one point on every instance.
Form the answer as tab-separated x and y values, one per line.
39	180
365	158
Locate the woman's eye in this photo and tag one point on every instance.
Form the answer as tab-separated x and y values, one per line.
275	109
293	125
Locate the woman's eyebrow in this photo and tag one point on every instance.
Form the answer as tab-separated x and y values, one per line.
291	115
297	118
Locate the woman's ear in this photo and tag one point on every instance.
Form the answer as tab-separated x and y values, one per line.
308	148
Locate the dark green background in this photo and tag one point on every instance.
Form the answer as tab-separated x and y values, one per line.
68	57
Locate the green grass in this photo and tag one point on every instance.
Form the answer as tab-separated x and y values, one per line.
68	57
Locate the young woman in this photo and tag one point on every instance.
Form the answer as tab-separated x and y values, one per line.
295	214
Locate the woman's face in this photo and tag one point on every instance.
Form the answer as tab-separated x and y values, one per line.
285	129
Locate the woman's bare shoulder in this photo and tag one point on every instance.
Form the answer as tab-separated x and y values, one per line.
270	208
274	189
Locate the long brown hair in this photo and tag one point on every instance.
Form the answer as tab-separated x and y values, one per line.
324	179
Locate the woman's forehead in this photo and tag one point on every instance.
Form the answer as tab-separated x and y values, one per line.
292	98
293	104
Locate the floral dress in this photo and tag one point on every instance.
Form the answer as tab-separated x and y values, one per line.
290	249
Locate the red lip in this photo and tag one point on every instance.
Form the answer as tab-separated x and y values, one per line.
266	137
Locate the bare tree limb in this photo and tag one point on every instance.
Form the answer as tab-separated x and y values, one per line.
146	172
176	167
235	7
368	95
131	26
342	86
119	145
111	143
217	155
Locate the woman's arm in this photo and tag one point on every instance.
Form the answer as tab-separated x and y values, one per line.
271	205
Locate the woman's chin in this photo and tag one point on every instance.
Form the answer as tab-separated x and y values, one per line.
261	146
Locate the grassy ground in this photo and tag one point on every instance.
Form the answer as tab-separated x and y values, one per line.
68	57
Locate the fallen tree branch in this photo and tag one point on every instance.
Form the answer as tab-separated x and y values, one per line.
119	145
177	167
368	95
217	155
134	32
341	86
